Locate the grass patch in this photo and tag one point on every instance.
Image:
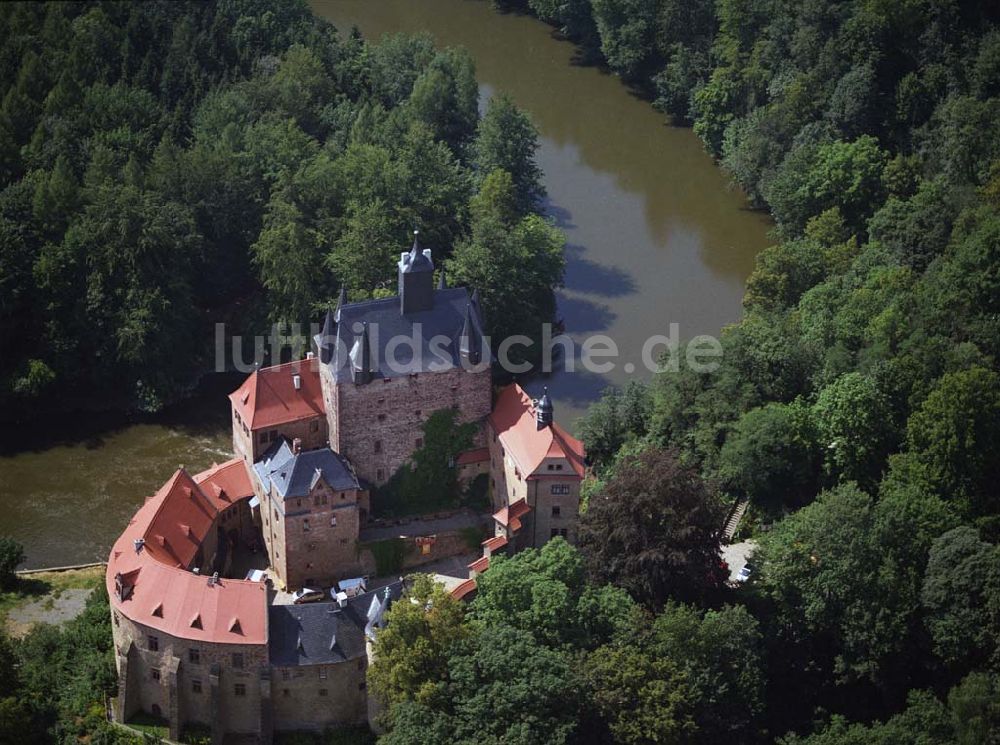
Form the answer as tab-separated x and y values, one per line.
358	735
389	555
474	535
52	584
147	724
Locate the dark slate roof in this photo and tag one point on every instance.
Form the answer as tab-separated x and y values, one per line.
323	633
385	321
295	475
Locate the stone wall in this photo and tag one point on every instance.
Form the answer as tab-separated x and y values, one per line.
321	537
189	681
378	426
419	551
252	444
314	697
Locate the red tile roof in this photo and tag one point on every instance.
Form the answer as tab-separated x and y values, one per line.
165	595
495	543
513	419
268	398
478	455
462	590
510	517
226	484
480	565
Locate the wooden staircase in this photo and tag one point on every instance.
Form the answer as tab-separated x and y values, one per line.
733	521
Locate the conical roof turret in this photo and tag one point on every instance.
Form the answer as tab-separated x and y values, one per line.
470	341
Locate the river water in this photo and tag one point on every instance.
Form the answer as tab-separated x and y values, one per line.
655	236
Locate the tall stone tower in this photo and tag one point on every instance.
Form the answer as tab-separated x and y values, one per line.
388	364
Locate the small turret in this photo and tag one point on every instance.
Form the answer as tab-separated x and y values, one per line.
328	338
361	358
442	281
543	410
341	302
470	341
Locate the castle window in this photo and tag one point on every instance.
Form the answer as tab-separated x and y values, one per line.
553	533
238	660
556	510
154	674
240	689
420	442
378	474
263	438
419	412
276	517
195	686
194	656
286	675
115	616
322	691
551	467
153	643
559	489
563	532
322	673
559	466
305	526
381	401
343	495
381	417
286	693
378	446
298	503
333	521
314	427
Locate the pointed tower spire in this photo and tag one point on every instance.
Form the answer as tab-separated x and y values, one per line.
361	358
470	342
442	281
478	306
543	410
341	302
328	338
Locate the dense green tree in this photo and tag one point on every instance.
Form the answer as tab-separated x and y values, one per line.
11	555
621	415
507	140
653	529
854	421
515	269
411	653
953	434
961	594
773	456
446	97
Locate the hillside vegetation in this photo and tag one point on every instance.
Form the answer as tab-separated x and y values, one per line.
167	166
857	408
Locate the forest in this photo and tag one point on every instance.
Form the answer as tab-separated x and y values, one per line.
166	166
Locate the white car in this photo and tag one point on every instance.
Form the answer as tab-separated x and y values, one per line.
306	595
744	573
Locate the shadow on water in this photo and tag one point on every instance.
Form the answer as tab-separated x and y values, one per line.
590	277
202	414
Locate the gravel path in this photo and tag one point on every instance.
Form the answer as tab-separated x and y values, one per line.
49	609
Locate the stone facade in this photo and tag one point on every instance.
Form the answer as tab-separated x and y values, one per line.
316	697
312	540
189	682
251	444
378	425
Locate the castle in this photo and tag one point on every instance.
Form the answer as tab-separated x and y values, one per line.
314	439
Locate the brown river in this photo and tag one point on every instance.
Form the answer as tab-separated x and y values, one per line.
656	236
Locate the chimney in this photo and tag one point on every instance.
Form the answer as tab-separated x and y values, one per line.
297	381
543	410
297	445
